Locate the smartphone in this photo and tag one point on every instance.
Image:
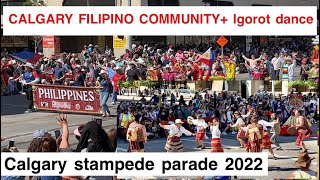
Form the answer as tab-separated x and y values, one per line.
57	133
99	121
11	144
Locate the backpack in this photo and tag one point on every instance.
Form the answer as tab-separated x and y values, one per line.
132	134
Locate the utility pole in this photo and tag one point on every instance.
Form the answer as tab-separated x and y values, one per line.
129	38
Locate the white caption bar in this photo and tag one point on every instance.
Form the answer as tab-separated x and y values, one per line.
135	164
198	20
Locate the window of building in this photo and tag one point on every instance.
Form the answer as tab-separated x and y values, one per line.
163	3
3	3
11	3
218	3
88	3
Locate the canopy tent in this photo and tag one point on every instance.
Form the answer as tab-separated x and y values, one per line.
27	56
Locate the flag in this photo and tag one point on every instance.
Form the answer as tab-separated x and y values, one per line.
206	57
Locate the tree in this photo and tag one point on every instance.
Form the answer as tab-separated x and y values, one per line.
34	3
36	39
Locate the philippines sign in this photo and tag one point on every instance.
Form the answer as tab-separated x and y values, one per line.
67	98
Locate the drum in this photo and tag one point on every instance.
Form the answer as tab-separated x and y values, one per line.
292	130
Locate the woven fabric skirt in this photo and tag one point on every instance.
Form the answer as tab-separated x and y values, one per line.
241	133
200	135
174	143
216	145
266	143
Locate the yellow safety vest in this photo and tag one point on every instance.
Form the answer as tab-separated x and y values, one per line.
125	120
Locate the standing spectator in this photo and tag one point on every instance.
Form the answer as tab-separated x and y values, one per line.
133	72
119	76
106	89
59	73
276	61
29	77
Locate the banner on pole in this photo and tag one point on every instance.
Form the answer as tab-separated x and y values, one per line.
67	98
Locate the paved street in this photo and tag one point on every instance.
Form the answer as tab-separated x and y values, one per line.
19	126
280	168
245	76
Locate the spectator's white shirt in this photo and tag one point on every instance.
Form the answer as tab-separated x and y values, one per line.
229	117
291	70
251	61
214	66
276	62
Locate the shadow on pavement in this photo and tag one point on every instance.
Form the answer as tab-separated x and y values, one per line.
14	104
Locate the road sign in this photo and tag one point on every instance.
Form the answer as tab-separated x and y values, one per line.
222	41
119	43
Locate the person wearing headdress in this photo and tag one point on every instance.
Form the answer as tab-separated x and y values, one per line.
304	162
29	78
304	72
314	71
137	135
174	138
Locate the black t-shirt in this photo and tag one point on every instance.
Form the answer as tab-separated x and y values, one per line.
79	81
133	74
143	73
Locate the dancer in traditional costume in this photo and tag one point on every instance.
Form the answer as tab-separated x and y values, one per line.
266	143
201	125
254	133
174	138
241	132
303	129
216	133
136	135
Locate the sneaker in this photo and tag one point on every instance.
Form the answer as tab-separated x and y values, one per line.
233	132
28	111
113	103
224	133
103	115
278	148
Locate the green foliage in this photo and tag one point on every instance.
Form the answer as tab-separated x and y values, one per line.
309	84
34	3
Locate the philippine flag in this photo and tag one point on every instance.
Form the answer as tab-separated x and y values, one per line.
207	57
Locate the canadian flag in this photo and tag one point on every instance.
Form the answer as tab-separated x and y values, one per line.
206	57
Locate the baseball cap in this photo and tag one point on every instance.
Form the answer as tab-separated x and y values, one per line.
78	130
40	133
